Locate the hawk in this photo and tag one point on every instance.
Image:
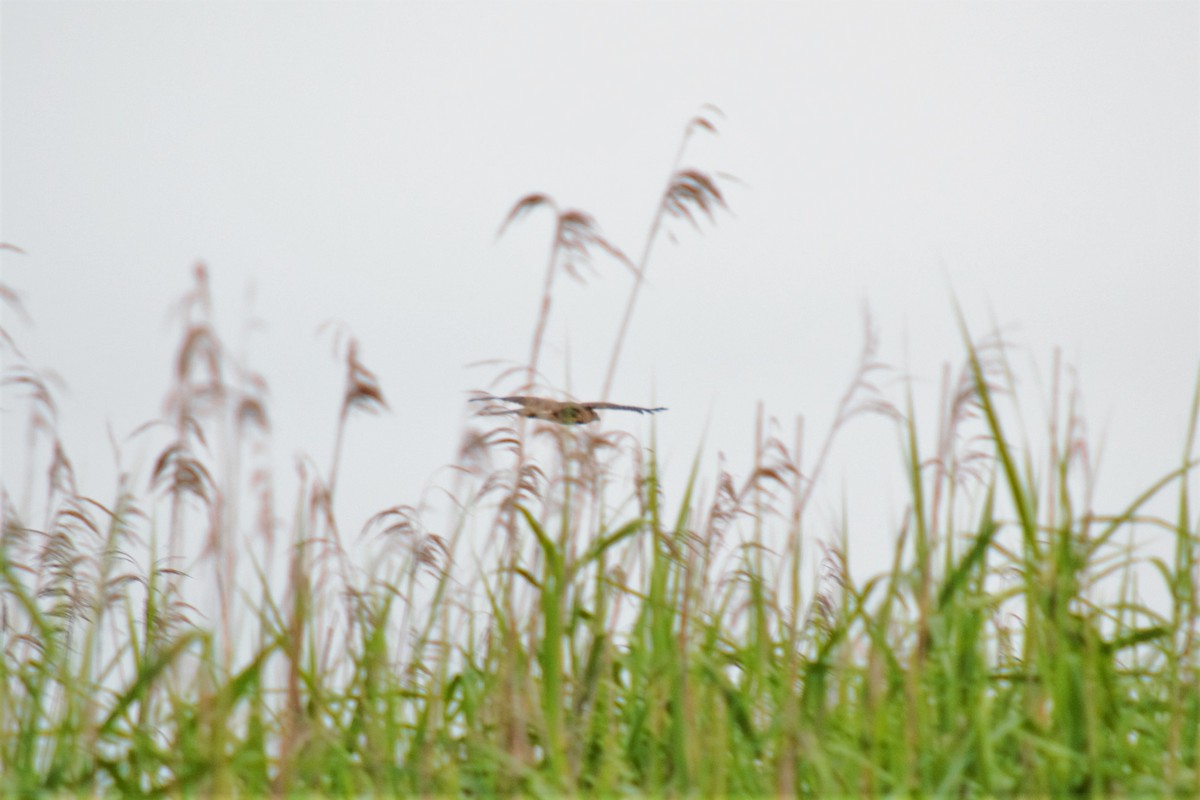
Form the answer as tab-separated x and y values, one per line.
564	413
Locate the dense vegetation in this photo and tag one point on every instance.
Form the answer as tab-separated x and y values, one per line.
600	636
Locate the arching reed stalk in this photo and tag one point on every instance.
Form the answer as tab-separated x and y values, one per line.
689	193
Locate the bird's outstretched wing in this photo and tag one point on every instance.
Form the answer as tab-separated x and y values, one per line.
521	400
560	411
617	407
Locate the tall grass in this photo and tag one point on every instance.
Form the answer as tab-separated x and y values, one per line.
576	629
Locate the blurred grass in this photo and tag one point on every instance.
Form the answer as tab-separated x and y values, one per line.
576	629
624	641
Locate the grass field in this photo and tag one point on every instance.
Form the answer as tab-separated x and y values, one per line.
610	638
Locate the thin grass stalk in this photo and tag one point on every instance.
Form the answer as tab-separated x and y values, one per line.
552	596
1185	618
543	317
640	274
696	123
1035	636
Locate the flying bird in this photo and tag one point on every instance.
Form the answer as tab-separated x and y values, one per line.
564	413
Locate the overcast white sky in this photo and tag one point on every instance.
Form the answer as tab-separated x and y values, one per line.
353	161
